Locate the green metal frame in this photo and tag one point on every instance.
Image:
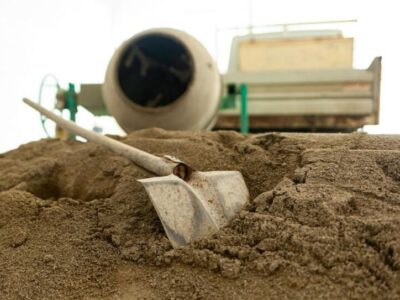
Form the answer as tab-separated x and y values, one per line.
71	104
229	101
244	116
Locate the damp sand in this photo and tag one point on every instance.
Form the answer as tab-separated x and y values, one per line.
323	220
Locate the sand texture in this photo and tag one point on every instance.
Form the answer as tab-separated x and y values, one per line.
323	220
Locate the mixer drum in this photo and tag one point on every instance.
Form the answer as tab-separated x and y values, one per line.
162	78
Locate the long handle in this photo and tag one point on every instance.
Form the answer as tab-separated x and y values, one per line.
152	163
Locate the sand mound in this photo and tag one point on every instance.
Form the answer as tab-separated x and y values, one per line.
324	220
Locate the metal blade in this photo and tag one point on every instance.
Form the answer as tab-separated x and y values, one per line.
196	208
181	211
224	192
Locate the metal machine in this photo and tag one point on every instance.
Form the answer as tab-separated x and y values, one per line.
300	79
158	78
286	80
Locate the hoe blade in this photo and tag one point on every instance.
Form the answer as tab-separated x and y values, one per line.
198	207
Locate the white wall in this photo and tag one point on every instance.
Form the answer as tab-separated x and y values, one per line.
74	39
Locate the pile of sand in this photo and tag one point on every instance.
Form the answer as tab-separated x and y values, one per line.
324	220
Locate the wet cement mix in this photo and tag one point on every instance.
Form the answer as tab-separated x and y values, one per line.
323	220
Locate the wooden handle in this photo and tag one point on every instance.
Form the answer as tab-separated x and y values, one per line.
152	163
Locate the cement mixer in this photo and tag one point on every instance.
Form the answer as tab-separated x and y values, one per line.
158	78
163	78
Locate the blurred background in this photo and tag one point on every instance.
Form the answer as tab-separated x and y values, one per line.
74	40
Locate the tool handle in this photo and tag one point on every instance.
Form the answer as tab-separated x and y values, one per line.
152	163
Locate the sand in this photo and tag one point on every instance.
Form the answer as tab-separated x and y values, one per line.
323	220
